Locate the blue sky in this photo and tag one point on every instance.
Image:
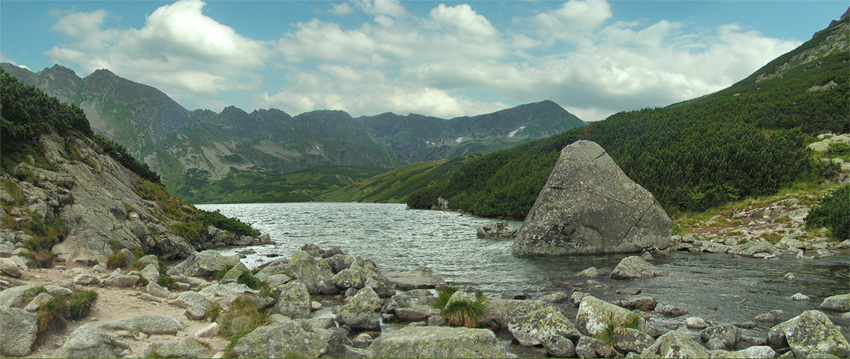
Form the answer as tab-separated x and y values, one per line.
446	59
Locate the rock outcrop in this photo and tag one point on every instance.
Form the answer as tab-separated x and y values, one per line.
589	205
809	334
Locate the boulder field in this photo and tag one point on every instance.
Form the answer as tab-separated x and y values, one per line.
331	305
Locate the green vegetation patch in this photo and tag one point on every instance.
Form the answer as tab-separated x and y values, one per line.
833	213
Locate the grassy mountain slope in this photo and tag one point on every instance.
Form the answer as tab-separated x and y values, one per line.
747	140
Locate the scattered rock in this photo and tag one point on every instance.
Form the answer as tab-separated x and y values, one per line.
294	300
315	274
721	337
209	331
630	291
633	268
836	303
438	342
418	278
204	264
770	317
555	297
800	297
672	311
361	312
416	313
576	211
283	338
758	352
9	268
588	347
810	333
641	303
576	298
696	323
548	327
631	340
512	294
121	280
595	316
591	272
18	330
148	324
409	299
186	348
790	276
675	344
88	342
497	230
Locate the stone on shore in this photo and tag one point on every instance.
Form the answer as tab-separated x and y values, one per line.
675	344
294	300
283	338
88	342
595	316
547	327
437	342
204	264
836	303
419	278
362	311
810	333
316	274
721	337
18	330
631	340
497	230
588	347
634	267
186	348
148	324
589	205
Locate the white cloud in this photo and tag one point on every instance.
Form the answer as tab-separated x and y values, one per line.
341	9
3	58
464	19
573	20
179	50
382	7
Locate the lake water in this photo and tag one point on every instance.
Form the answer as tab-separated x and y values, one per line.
717	287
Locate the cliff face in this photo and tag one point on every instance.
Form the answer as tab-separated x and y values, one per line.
92	206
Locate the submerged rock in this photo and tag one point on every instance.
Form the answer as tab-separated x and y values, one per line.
438	342
497	230
635	267
595	316
589	205
836	303
419	278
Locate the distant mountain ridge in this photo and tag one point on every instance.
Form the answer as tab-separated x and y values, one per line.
203	146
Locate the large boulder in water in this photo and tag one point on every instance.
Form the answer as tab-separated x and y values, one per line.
808	334
588	205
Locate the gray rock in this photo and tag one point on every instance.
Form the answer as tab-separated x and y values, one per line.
38	301
86	279
419	278
316	274
721	337
669	310
148	324
576	298
355	275
150	272
149	259
750	249
588	347
758	352
18	331
204	264
836	303
800	297
675	344
284	338
209	331
589	205
640	302
502	311
497	230
555	297
409	299
361	312
416	313
548	327
437	342
809	333
157	290
277	280
6	248
323	322
340	262
121	280
18	296
88	342
168	246
591	272
294	300
770	317
714	247
227	291
696	323
196	305
631	340
232	276
595	316
9	268
634	267
186	348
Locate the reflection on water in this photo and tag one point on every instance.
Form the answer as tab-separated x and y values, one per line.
717	287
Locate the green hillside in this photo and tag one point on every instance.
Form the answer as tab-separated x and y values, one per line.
747	140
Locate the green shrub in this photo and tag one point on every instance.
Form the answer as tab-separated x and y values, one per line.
250	280
833	213
443	295
81	302
116	260
464	312
837	149
241	307
166	281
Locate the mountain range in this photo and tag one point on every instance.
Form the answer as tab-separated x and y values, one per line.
194	149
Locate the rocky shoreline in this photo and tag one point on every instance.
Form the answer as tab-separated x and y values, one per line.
324	303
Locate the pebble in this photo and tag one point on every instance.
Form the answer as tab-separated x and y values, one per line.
799	297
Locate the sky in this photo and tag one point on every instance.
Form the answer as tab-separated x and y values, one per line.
436	58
